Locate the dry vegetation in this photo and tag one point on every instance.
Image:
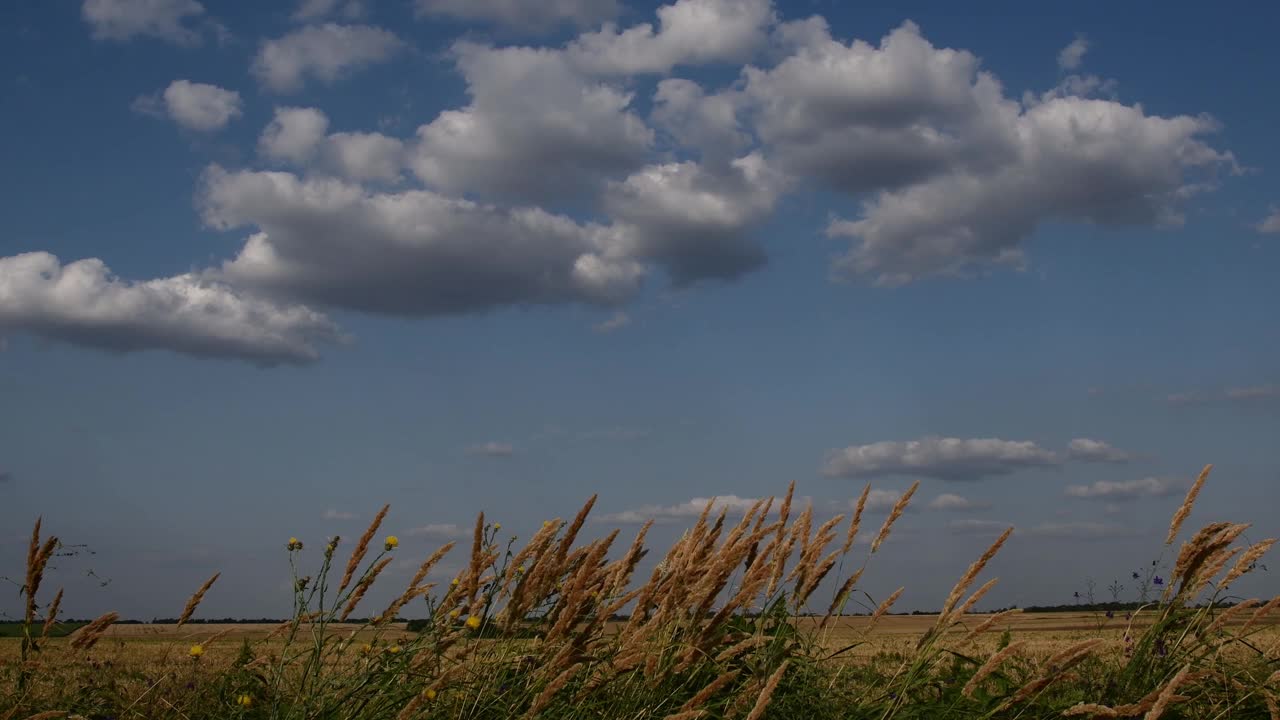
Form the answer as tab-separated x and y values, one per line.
712	632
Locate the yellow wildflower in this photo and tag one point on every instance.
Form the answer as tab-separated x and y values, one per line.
455	582
473	622
366	649
393	649
244	701
294	544
455	613
430	694
196	651
392	543
497	526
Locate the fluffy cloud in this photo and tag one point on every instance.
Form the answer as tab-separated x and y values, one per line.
492	449
195	106
942	458
311	10
298	136
439	531
535	128
960	174
84	304
122	20
408	253
1086	450
673	513
1072	55
325	52
524	15
690	32
706	123
293	134
1126	489
1271	223
951	502
694	222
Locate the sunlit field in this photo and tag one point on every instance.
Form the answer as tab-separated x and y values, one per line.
742	618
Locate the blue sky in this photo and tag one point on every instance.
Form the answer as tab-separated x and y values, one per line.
266	267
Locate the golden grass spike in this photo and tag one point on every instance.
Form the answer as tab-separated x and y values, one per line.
1184	510
1247	561
762	702
1093	710
705	693
414	588
362	587
51	615
988	667
884	606
894	514
87	636
855	521
985	625
1261	613
843	593
550	691
574	527
194	601
357	554
35	571
974	598
1167	693
972	572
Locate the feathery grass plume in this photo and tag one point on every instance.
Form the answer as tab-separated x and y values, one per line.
974	598
555	686
1167	693
415	585
1226	616
1247	561
477	560
741	647
195	599
816	576
1184	510
885	605
854	522
33	548
1093	710
1054	669
51	615
990	666
1261	613
1197	564
357	593
991	620
842	593
87	636
705	693
971	574
39	554
571	534
357	554
762	702
629	561
894	514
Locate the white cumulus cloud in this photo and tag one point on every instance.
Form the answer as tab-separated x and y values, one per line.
937	457
121	20
1086	450
323	52
1127	489
83	303
195	106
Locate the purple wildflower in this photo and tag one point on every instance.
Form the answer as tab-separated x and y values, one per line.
1157	580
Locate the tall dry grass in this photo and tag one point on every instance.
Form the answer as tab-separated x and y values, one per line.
558	628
